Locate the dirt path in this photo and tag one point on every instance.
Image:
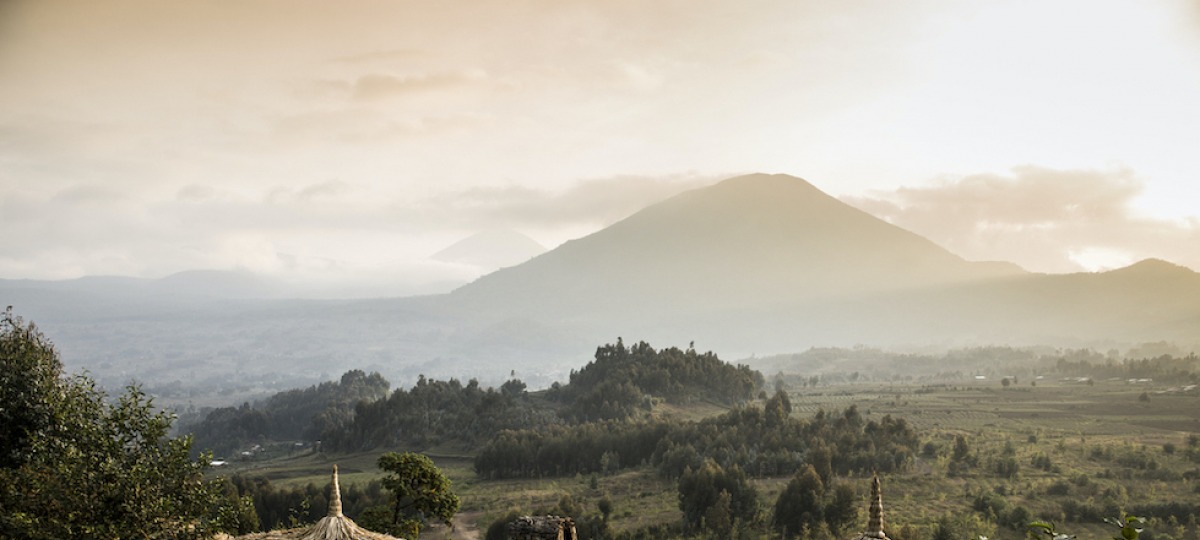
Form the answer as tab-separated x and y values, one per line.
464	528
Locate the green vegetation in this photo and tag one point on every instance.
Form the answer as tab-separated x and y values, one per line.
420	493
671	453
752	437
621	380
292	415
75	465
805	508
1104	452
437	412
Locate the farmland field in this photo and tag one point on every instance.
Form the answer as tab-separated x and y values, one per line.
1080	449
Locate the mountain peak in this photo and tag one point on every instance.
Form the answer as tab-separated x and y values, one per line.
1154	267
759	188
765	181
749	240
491	249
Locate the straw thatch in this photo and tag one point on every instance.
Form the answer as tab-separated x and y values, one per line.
334	526
875	521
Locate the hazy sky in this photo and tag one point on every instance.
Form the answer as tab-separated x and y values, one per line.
335	141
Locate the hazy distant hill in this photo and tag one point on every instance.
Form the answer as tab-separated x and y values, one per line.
771	263
755	264
192	284
107	296
747	242
491	250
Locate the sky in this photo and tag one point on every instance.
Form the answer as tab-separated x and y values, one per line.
333	143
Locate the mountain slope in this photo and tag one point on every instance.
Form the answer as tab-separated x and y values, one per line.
491	249
770	263
756	264
748	241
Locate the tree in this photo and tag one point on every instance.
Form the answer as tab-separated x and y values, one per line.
778	408
29	383
841	510
237	515
419	492
799	504
718	518
961	450
821	458
605	506
700	490
75	465
513	387
944	530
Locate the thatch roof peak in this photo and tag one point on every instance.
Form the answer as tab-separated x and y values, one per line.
335	496
875	521
334	526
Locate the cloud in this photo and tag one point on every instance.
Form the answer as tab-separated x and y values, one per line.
315	192
641	77
87	194
357	126
376	86
1043	219
380	56
196	193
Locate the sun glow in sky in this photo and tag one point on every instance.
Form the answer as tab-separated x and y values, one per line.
321	142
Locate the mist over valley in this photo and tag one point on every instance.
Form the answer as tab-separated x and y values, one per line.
752	266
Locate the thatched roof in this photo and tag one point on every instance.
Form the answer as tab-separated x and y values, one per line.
334	526
875	520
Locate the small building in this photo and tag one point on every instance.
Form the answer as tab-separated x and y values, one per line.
542	528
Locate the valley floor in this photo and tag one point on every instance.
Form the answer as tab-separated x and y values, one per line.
1078	449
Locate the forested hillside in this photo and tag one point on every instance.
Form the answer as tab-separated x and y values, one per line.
622	379
357	413
301	414
643	443
763	441
434	412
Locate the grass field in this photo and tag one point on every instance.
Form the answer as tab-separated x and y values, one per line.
1090	432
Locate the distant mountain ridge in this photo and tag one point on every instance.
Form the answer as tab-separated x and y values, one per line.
770	262
491	249
193	283
746	241
754	264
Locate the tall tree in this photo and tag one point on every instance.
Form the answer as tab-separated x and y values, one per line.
841	509
75	465
799	505
419	492
700	490
29	384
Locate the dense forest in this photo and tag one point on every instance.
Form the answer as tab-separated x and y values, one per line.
763	441
293	415
621	380
357	413
433	412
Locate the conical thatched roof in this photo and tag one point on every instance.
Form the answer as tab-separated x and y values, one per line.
875	521
334	526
